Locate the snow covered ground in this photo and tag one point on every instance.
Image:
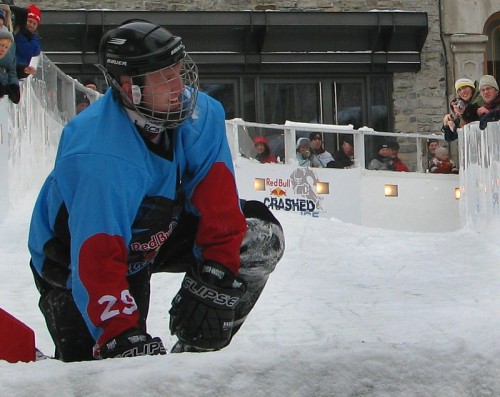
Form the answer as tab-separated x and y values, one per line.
349	311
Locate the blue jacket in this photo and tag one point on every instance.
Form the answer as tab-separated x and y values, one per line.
26	48
112	198
8	72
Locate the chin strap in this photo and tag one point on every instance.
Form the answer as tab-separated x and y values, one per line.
150	131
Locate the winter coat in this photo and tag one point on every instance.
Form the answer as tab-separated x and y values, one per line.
380	163
437	166
309	161
340	160
113	198
322	156
27	46
399	165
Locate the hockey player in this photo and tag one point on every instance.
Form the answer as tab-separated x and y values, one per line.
143	183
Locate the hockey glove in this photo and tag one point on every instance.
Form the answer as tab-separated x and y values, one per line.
131	344
493	115
202	312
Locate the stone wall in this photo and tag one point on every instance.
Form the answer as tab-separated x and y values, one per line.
420	99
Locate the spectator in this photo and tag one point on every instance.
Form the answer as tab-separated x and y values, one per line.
463	108
441	163
7	17
263	151
9	83
90	84
432	145
304	155
318	150
397	162
383	159
490	111
82	99
27	40
344	157
144	184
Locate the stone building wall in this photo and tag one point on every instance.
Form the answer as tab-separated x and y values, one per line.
420	98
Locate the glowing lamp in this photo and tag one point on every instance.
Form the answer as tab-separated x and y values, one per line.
322	188
259	184
391	190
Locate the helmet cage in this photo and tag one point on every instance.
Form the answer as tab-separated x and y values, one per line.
166	96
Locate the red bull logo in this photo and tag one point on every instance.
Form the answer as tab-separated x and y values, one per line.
278	192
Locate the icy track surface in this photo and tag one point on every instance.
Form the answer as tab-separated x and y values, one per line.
349	311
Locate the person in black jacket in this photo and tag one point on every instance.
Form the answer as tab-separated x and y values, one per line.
463	108
343	158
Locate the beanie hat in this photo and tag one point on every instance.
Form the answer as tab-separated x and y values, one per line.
303	142
348	139
393	145
261	139
382	146
460	83
34	13
488	81
441	151
5	34
315	135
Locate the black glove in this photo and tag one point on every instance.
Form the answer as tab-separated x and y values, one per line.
14	93
449	135
493	115
202	312
131	343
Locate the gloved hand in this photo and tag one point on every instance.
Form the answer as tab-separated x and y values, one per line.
131	343
202	312
493	115
14	93
449	134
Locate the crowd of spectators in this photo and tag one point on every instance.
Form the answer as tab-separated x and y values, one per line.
19	44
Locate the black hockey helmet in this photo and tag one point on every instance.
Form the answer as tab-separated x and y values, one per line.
137	47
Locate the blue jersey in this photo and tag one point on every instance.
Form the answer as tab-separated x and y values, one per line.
112	199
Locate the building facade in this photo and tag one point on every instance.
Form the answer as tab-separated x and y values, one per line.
393	74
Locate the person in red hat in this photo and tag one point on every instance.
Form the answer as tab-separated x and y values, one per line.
27	40
263	151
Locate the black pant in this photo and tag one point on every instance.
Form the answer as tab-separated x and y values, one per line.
262	248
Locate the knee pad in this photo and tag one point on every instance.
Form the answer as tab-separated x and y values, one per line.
263	244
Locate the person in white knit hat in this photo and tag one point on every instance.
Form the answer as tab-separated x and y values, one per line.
490	111
463	108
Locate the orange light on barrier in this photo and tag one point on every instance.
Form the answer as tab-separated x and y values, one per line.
322	188
391	190
259	184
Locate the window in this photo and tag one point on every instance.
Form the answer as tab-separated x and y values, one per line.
295	101
492	30
225	92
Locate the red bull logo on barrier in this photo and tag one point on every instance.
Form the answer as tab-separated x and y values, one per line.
278	192
301	185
